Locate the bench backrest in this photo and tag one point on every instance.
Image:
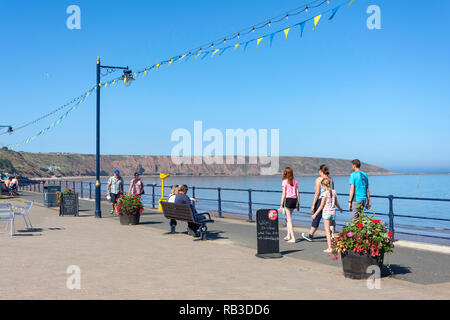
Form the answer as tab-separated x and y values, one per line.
177	211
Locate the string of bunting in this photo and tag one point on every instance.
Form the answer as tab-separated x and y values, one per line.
193	55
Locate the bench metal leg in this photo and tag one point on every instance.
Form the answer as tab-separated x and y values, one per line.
203	230
173	224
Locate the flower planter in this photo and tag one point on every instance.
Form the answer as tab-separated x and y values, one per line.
355	264
129	219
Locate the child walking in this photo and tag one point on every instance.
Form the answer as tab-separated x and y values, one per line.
328	203
290	199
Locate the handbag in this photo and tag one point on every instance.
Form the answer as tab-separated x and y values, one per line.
283	208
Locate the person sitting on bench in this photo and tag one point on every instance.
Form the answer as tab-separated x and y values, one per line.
184	199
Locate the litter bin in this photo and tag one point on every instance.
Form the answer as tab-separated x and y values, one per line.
50	195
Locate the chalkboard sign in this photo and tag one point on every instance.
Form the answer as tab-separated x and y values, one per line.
69	204
267	234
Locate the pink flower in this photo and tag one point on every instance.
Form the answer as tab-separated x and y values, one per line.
350	234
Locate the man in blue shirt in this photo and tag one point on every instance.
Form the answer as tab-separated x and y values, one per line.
181	197
359	189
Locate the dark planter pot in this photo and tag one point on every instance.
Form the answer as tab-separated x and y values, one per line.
129	219
355	264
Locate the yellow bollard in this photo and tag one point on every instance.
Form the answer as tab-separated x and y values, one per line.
162	176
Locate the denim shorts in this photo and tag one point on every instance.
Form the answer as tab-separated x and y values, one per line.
329	217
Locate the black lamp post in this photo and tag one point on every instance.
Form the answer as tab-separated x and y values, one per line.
10	129
127	78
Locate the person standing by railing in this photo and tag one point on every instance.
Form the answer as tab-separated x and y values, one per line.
324	173
290	199
359	189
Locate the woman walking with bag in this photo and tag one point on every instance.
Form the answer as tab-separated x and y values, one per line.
290	199
136	185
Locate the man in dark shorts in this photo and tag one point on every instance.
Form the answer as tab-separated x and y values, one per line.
115	188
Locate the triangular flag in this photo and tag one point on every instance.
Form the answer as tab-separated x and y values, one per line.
286	31
199	53
258	41
246	44
334	12
182	57
215	51
106	84
205	54
157	65
236	45
350	3
316	20
302	26
224	49
170	61
271	38
145	72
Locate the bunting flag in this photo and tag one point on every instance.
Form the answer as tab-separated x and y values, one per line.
271	38
179	58
286	31
223	50
334	12
302	27
316	20
246	44
206	54
258	41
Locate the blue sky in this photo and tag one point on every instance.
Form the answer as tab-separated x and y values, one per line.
341	90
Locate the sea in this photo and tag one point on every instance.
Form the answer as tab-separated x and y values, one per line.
412	218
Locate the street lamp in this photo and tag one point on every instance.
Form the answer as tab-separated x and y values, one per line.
10	129
127	78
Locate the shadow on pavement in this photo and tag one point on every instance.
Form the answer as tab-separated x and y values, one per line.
394	269
290	251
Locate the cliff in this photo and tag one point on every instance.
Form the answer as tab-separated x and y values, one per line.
71	164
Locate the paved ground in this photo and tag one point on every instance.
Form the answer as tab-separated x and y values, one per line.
143	262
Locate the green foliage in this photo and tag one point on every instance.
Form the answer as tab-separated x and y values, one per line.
130	204
65	191
6	166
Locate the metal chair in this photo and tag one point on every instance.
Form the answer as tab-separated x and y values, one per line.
7	214
25	212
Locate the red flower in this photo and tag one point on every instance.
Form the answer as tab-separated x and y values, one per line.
360	225
390	234
375	230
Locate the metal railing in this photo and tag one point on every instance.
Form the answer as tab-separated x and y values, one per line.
87	190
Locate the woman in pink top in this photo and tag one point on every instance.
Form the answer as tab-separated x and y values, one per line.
290	199
136	185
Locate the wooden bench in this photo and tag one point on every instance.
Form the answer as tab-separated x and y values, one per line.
183	212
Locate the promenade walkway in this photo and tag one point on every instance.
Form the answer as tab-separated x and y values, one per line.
144	262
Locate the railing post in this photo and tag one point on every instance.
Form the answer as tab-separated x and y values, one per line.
391	216
74	186
153	196
219	202
193	192
90	190
250	214
60	184
81	189
39	187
